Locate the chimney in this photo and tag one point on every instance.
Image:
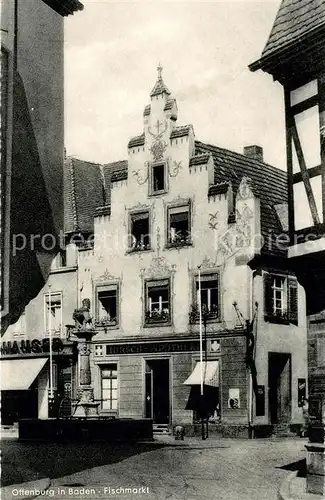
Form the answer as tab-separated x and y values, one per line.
254	152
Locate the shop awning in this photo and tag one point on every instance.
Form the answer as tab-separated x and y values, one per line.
19	374
210	374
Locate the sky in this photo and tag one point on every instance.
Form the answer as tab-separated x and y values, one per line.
113	48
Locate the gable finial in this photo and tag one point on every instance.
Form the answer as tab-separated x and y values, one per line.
159	69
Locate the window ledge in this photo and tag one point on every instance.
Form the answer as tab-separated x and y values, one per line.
208	321
277	320
106	326
157	193
137	250
157	323
177	246
112	414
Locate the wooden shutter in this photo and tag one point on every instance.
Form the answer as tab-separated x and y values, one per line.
293	300
268	304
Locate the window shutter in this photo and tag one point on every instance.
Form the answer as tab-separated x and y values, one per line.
268	305
293	300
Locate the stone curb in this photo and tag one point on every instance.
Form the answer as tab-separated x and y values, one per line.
28	490
284	490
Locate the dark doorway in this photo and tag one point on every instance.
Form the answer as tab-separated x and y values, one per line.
157	391
18	404
279	388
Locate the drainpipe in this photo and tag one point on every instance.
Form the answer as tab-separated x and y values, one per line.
250	316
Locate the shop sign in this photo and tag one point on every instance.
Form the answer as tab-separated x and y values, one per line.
35	346
151	347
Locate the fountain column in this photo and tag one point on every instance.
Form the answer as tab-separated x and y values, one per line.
84	331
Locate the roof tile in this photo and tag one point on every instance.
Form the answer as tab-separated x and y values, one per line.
108	171
147	110
232	167
220	188
201	159
159	88
120	175
136	141
85	191
294	20
180	131
105	210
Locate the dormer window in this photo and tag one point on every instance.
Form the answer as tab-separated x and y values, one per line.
158	178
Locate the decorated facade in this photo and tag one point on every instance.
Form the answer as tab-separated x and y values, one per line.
148	239
187	218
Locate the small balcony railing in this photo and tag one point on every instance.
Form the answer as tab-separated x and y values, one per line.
277	316
139	246
208	315
180	240
153	317
105	322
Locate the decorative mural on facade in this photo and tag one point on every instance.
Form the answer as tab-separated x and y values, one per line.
141	176
174	170
159	146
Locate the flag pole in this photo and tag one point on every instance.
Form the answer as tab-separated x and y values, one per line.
201	336
201	353
50	338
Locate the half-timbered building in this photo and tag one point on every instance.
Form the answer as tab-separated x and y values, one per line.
295	56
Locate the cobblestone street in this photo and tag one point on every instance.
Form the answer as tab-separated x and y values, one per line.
215	469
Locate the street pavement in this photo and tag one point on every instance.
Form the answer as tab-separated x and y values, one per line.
221	469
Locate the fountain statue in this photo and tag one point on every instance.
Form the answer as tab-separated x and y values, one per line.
84	331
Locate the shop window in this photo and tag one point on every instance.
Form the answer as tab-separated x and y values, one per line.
179	226
140	231
109	389
157	302
107	305
280	299
209	298
53	313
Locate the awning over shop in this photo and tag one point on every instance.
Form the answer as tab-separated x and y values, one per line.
210	374
19	374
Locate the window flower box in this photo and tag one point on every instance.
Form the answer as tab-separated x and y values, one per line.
156	316
207	315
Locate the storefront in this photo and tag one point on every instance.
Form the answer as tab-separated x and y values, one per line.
160	380
26	383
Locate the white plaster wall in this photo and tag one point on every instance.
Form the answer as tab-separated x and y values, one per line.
279	338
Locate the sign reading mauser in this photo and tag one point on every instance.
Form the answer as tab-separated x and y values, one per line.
35	346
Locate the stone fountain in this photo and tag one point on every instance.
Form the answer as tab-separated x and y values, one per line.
84	332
